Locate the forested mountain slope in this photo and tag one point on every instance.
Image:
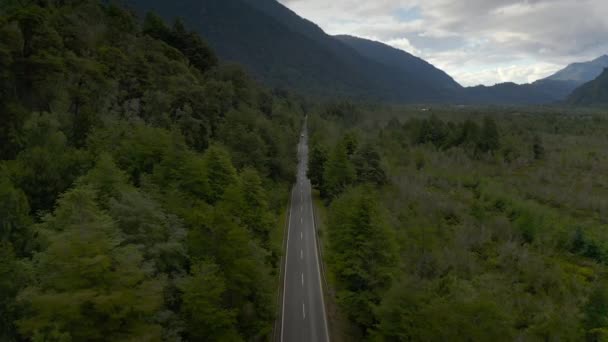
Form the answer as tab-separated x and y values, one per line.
284	50
141	181
594	93
413	68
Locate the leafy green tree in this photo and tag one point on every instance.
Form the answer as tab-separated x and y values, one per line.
11	280
596	313
362	253
219	172
344	111
40	67
48	165
432	130
247	201
316	165
412	311
32	21
120	23
469	134
155	27
85	91
489	139
367	162
338	174
537	148
265	103
240	82
144	223
203	305
351	142
219	99
142	220
106	179
215	233
13	117
193	47
89	287
14	217
136	148
240	134
255	214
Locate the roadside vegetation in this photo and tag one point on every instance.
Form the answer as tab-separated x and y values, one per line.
463	223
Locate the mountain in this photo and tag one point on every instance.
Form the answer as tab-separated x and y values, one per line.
506	93
411	66
240	33
553	89
284	50
540	92
558	90
594	93
581	73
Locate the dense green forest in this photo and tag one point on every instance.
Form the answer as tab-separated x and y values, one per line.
143	186
464	224
141	180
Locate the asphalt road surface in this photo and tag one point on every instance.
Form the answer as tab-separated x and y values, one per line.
303	316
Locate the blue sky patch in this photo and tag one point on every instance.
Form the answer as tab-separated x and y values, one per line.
408	13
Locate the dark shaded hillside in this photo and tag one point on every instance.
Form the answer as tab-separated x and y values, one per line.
412	67
240	33
540	92
284	50
594	93
559	90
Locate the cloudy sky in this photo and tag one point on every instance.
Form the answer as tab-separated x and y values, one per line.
475	41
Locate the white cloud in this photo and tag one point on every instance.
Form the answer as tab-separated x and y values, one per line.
485	41
512	73
405	45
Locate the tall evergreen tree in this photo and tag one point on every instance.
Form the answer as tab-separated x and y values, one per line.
316	164
12	278
489	139
368	166
362	253
219	172
537	148
338	174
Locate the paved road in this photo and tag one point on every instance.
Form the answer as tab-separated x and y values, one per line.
303	310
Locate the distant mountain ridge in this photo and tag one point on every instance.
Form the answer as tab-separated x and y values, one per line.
411	66
581	72
283	50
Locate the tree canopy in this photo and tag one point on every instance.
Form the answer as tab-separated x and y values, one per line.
128	208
